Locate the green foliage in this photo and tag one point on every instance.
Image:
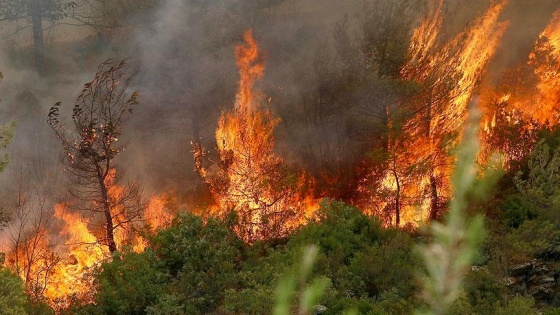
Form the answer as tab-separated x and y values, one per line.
202	257
389	266
13	300
461	306
540	185
339	231
186	270
42	308
344	305
516	209
167	305
249	301
551	311
129	283
192	244
370	269
534	238
519	305
309	293
483	291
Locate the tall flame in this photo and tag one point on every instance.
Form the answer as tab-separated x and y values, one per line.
425	35
248	178
545	108
527	100
416	180
250	70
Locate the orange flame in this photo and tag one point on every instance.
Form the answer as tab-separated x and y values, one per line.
248	178
59	268
425	35
416	180
157	216
527	100
250	70
70	278
545	107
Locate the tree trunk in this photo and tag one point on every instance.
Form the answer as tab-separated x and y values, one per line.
387	132
434	204
397	196
38	44
110	228
398	206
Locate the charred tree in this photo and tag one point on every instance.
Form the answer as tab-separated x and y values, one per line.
91	144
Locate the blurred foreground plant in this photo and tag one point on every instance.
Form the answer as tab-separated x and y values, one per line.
455	242
297	281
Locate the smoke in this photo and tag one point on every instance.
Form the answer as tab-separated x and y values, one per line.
188	76
527	19
181	54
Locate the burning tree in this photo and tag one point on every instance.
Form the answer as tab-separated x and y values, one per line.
92	144
248	178
447	76
540	101
526	101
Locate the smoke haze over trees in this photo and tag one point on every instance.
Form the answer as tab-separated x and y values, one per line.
182	52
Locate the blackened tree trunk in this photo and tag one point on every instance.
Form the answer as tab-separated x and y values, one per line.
110	227
434	200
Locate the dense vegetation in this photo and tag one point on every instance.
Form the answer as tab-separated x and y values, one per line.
200	266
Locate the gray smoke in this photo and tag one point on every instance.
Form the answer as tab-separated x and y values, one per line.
182	55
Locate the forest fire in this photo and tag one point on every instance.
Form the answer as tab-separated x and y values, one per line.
70	279
248	177
416	183
58	268
376	131
512	114
545	60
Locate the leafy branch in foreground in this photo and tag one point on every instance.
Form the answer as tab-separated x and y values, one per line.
310	293
455	243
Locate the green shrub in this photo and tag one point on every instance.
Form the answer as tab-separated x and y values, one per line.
13	300
519	305
130	283
516	209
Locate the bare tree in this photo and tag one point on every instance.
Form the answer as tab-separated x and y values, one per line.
28	245
91	145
